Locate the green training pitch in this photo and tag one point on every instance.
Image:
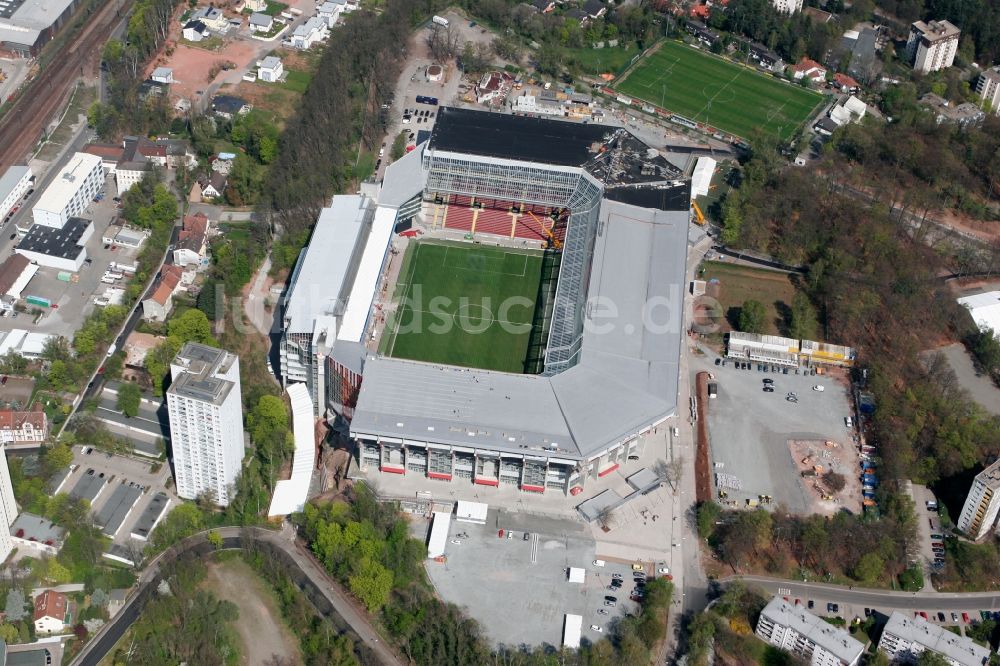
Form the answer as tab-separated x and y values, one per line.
705	88
464	305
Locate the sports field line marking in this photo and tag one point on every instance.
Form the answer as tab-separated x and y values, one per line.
399	313
708	104
493	320
524	266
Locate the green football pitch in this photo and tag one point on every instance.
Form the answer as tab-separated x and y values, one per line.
464	305
705	88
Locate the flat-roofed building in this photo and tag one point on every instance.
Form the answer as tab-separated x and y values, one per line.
905	638
932	45
806	636
206	421
979	513
62	248
14	184
26	25
988	88
71	191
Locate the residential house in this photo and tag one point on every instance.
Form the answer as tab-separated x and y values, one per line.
261	22
178	153
544	6
988	88
809	69
116	600
192	242
964	115
137	347
851	110
763	56
18	427
595	9
52	612
195	31
329	12
270	69
228	107
312	31
159	305
212	17
846	83
493	86
162	75
139	148
208	187
702	32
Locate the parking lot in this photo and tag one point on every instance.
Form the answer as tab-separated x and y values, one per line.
75	298
120	489
752	430
519	590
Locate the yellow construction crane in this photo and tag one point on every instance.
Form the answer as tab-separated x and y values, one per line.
699	216
553	241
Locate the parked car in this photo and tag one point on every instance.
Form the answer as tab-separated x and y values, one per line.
832	608
940	616
954	617
819	388
596	628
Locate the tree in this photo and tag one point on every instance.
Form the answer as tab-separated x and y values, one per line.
129	399
869	568
99	598
928	658
752	317
371	584
192	326
57	457
675	471
14	609
9	633
215	539
604	517
708	513
803	321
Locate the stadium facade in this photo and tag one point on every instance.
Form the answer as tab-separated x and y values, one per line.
619	221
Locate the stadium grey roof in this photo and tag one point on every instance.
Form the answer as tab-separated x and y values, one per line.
516	137
407	178
322	280
639	267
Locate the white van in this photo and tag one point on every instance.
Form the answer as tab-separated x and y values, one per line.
599	563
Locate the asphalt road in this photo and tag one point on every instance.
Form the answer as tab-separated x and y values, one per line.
882	599
357	620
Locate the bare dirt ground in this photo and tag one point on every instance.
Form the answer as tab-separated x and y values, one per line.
192	65
828	456
261	627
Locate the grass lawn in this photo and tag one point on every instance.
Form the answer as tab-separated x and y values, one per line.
274	8
744	283
708	89
600	61
297	81
451	306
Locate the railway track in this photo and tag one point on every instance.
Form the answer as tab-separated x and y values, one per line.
22	126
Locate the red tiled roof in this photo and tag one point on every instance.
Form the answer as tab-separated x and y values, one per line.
806	64
11	420
845	81
50	604
701	11
192	236
170	276
105	151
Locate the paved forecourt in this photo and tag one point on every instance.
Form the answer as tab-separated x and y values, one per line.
465	305
708	89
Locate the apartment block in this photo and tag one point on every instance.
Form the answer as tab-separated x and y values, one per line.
932	46
204	405
72	190
787	6
905	638
8	508
979	513
988	88
794	629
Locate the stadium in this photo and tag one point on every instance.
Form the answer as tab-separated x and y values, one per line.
505	308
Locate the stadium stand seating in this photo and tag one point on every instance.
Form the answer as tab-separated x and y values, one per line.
492	221
459	217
